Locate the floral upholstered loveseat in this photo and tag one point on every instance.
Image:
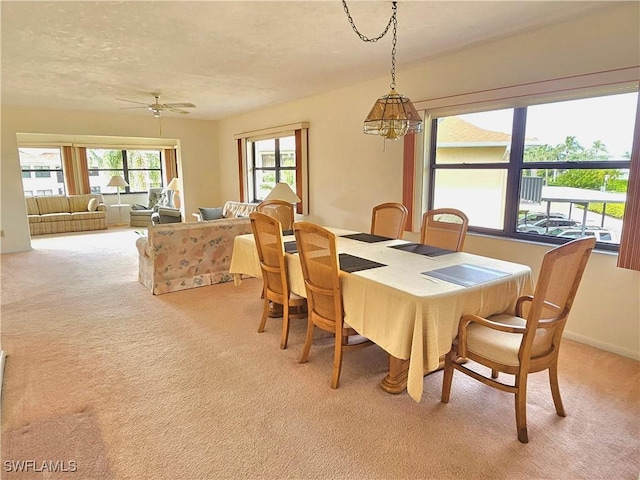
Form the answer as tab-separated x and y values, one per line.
66	213
178	256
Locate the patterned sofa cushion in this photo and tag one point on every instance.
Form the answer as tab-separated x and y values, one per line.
56	217
32	206
238	209
53	204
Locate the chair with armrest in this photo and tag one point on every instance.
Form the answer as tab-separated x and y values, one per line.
320	269
388	219
444	228
527	342
140	215
166	215
268	237
280	210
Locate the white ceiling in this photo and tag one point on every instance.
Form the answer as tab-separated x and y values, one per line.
229	57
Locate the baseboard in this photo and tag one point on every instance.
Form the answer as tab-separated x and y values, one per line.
603	346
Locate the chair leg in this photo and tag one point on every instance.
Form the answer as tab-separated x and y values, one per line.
494	373
447	377
521	408
265	312
285	325
337	362
308	341
555	389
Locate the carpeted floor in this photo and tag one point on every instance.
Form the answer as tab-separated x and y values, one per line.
105	378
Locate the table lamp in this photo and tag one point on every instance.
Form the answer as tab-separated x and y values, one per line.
282	191
174	186
117	181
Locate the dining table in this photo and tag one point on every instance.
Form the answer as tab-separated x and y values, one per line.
407	298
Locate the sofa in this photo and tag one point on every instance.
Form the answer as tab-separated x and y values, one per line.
66	213
179	256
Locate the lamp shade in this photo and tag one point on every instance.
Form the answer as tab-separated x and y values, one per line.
393	116
117	181
282	191
173	184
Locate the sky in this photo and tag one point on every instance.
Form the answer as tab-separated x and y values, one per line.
609	119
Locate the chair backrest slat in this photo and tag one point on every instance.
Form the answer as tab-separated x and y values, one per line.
320	268
556	287
444	228
268	236
280	210
389	219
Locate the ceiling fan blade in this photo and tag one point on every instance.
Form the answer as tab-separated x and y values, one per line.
176	110
129	108
131	101
179	105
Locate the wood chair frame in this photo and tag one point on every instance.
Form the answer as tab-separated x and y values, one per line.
267	232
389	219
540	320
441	232
321	272
280	210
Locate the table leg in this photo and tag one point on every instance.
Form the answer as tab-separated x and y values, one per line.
396	380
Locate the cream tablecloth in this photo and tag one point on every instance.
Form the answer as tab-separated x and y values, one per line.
410	315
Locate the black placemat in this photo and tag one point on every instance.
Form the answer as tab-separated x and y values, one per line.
465	274
287	232
422	249
291	247
366	237
351	263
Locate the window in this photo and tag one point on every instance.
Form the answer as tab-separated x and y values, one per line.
273	161
41	171
141	169
546	170
270	156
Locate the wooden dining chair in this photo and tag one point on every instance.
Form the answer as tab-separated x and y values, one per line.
320	269
268	236
444	228
280	210
388	219
527	342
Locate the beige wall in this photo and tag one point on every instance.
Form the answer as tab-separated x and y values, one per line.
198	163
350	172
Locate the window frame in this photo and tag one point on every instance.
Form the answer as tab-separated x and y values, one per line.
126	168
514	168
278	168
245	163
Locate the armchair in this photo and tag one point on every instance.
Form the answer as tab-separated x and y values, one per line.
140	215
166	215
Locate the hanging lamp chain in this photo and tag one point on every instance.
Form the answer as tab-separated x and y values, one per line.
392	21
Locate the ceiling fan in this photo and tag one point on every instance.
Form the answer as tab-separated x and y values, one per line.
157	108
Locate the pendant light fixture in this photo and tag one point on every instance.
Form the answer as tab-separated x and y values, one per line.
393	115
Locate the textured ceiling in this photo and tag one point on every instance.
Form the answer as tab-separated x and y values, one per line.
229	57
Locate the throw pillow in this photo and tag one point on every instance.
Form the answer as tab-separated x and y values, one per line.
211	213
93	205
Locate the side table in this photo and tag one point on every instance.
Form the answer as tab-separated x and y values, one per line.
120	206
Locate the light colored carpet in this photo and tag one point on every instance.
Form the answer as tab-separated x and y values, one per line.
180	386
